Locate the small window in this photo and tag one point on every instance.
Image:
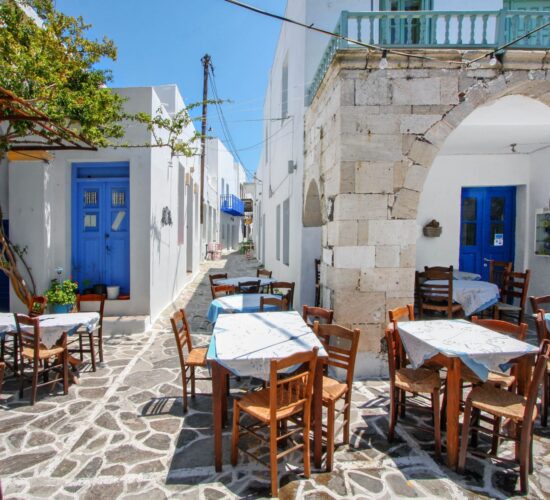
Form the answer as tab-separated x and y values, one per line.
286	231
278	231
284	89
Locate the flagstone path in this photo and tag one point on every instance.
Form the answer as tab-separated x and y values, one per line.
122	433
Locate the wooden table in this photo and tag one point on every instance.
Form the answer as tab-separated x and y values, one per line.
256	339
453	343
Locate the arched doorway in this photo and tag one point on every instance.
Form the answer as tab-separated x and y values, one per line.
311	245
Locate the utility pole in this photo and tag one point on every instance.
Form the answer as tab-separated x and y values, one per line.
206	65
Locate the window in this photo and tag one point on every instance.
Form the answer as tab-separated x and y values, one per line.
278	230
284	87
286	231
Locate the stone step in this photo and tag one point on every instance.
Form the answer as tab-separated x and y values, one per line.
125	325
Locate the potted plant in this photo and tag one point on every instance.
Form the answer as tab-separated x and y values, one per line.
113	292
61	295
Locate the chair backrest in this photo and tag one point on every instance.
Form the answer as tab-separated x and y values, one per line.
317	271
311	314
286	289
37	306
540	303
341	345
249	286
91	299
542	327
512	329
532	394
263	272
397	314
214	277
497	268
440	292
392	343
222	290
281	304
28	339
515	286
180	327
292	392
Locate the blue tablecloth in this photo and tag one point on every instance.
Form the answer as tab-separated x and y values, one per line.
240	303
235	281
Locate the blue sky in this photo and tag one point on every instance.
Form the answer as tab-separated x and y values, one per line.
162	41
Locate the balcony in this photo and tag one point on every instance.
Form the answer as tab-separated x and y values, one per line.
435	29
231	205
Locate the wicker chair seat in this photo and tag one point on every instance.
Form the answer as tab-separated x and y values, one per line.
499	402
43	353
332	389
507	307
417	380
197	356
495	378
257	404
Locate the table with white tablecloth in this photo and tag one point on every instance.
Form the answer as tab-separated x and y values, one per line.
7	324
235	281
238	303
474	296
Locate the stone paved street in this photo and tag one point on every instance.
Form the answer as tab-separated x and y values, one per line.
121	433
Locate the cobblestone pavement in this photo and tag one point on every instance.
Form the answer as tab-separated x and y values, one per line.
121	433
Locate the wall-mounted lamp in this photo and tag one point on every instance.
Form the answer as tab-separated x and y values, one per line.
292	166
495	58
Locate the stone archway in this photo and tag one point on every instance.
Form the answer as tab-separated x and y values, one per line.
312	207
383	129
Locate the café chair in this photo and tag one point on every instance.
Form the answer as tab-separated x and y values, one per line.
542	302
214	277
438	297
311	314
280	304
497	270
40	359
249	286
190	357
411	380
285	289
341	345
514	286
288	397
222	290
518	409
94	339
263	273
542	333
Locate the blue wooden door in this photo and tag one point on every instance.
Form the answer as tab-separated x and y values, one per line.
101	251
487	229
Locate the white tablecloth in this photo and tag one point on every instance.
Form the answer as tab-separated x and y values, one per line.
235	281
239	303
479	348
7	324
246	343
473	296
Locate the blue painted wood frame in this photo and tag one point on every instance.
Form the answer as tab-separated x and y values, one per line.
101	225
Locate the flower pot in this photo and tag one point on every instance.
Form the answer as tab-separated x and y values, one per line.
61	308
113	292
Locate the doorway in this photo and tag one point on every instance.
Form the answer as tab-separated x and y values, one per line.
189	221
487	227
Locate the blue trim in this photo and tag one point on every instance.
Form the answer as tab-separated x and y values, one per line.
232	205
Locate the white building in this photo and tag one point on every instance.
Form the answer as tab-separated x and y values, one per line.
124	216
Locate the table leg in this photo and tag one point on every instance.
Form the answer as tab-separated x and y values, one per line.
217	409
317	412
453	411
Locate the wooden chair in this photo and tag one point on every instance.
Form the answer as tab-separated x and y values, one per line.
288	397
514	286
542	332
540	303
33	354
37	306
317	302
263	273
285	289
311	314
2	368
438	297
497	270
93	339
341	345
249	286
214	277
195	357
415	381
281	304
222	290
518	409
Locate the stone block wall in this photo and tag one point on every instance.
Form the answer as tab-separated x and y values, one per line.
371	136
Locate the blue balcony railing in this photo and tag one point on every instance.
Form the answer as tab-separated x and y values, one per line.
231	204
435	29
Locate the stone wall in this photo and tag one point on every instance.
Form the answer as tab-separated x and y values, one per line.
370	138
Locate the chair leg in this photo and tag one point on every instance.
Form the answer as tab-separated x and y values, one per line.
273	460
475	420
545	400
100	344
21	379
235	434
184	389
403	400
464	438
65	359
330	435
307	459
80	346
394	394
92	349
192	381
496	439
437	423
443	412
347	417
524	466
34	388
